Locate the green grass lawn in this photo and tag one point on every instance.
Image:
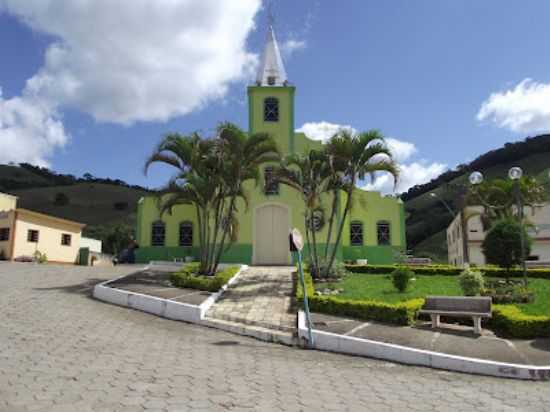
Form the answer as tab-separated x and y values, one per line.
380	288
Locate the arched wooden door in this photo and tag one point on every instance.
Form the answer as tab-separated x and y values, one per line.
271	229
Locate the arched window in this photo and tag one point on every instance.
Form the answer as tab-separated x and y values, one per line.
271	184
186	234
158	232
271	109
383	233
356	233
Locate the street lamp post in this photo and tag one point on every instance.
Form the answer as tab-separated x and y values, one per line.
515	174
435	196
463	229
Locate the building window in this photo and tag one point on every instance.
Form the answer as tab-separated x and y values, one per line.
65	239
271	185
186	234
32	236
356	234
4	234
271	109
158	231
383	233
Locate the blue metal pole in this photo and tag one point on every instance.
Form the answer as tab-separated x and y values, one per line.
306	304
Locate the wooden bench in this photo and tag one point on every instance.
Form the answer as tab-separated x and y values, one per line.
459	307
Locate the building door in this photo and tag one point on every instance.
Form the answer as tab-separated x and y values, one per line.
271	229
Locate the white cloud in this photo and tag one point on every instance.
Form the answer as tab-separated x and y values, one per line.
525	108
29	130
129	61
289	47
322	130
411	173
400	149
141	60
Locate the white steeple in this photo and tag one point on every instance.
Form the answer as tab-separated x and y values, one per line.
271	71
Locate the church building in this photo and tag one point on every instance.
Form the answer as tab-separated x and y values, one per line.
374	230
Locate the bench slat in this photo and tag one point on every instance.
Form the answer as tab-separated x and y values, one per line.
454	313
458	304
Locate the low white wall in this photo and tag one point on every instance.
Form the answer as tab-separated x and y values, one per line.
373	349
158	306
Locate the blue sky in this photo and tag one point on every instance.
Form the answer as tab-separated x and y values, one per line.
92	88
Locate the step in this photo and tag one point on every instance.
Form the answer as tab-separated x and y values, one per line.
253	322
258	332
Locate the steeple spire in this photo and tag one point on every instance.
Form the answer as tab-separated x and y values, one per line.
271	71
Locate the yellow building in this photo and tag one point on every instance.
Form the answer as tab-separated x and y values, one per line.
24	232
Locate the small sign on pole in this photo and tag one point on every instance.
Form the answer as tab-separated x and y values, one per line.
296	245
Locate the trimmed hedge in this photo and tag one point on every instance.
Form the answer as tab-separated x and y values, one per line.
187	278
400	314
445	270
510	321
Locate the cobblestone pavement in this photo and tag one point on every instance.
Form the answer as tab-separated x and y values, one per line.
60	350
261	296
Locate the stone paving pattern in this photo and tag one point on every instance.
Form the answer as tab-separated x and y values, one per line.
61	350
261	296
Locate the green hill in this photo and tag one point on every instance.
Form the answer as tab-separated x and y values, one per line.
101	204
427	216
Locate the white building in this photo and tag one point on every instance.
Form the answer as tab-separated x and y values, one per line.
538	216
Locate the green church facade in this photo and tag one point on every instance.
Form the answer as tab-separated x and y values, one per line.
374	230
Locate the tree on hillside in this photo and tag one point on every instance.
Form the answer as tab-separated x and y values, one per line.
61	199
210	175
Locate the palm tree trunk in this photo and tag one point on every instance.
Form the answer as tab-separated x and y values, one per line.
208	235
331	222
217	219
202	263
309	251
226	228
340	230
314	239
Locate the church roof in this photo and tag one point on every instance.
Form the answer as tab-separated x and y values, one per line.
271	71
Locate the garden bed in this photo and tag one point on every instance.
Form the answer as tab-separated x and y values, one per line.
188	277
157	284
373	297
447	270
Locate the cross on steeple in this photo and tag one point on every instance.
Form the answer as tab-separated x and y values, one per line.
271	71
270	16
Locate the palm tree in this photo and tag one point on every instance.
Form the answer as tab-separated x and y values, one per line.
195	183
309	175
240	158
355	157
210	175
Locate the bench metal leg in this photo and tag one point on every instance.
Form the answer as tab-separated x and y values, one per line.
477	324
435	320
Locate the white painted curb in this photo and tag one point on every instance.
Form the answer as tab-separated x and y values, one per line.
364	347
158	306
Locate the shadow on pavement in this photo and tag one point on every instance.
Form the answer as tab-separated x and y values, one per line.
542	344
84	288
